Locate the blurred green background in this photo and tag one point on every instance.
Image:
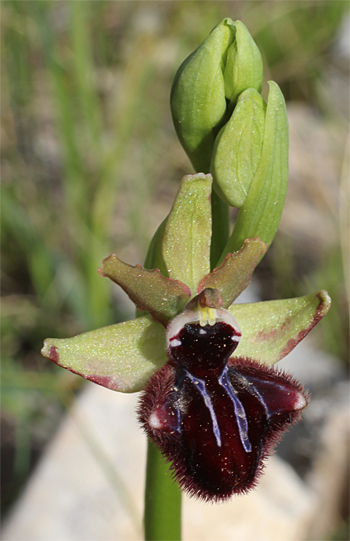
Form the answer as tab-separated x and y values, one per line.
91	163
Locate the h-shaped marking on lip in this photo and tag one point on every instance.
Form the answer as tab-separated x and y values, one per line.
200	385
241	417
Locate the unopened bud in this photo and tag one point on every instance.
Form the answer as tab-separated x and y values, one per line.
244	66
198	102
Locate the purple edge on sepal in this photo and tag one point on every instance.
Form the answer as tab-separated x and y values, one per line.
292	342
104	381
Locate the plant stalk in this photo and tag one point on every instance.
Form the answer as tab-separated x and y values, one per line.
162	500
162	519
220	229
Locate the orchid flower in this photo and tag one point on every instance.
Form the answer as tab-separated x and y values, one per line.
211	399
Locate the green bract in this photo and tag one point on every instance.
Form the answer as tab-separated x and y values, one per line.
225	126
262	209
122	357
238	147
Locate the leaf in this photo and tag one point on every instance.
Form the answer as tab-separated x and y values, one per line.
120	357
186	240
234	274
149	290
271	329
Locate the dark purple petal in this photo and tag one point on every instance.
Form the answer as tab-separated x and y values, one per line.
216	423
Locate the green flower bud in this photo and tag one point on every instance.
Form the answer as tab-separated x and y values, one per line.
226	64
244	66
261	212
238	148
198	103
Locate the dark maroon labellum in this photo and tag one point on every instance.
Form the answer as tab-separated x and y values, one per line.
216	419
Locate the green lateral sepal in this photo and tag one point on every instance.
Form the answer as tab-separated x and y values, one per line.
120	357
271	329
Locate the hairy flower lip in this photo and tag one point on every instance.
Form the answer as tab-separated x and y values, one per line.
301	403
187	427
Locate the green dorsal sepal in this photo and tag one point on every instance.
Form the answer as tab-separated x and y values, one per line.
187	235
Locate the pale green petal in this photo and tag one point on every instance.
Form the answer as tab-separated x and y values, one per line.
187	235
271	329
120	357
234	274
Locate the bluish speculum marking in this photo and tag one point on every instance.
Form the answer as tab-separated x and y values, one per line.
241	417
200	385
203	351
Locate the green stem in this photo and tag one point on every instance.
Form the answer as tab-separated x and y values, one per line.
162	500
162	495
220	228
